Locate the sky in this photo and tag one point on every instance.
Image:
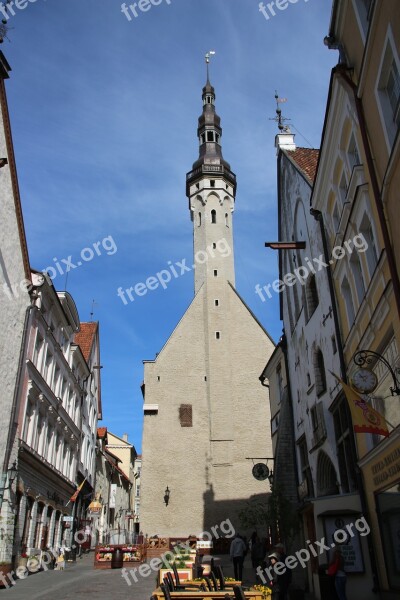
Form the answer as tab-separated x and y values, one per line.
104	117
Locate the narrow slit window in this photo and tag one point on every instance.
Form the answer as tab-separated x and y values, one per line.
216	302
213	216
217	335
215	273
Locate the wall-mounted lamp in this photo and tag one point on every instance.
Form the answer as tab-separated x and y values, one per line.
166	496
9	479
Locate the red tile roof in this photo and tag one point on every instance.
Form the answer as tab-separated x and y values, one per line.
307	160
85	338
101	432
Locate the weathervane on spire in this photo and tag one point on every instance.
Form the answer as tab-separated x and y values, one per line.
208	55
279	119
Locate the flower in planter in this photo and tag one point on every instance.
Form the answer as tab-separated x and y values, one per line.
265	591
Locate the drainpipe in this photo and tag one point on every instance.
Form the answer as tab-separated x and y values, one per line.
376	190
319	217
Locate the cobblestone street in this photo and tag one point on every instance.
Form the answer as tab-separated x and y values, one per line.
80	580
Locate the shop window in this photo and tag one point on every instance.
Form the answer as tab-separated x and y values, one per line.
388	509
186	415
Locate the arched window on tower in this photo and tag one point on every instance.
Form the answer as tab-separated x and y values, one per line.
213	216
226	220
199	221
210	136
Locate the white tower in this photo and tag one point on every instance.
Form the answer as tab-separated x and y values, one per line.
205	411
211	189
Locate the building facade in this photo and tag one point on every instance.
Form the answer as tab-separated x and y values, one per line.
137	492
88	339
114	493
356	189
15	283
126	453
204	409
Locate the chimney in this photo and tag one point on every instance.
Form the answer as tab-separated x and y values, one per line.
125	437
285	141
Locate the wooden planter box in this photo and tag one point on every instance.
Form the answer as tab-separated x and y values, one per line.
133	554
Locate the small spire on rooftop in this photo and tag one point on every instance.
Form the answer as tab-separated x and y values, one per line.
285	138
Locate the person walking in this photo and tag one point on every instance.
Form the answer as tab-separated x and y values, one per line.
238	551
336	569
280	583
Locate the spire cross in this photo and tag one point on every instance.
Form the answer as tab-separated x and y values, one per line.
208	55
279	119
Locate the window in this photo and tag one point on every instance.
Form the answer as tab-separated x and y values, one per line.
217	335
47	371
212	182
352	153
363	14
214	245
217	136
216	302
186	415
226	220
345	446
279	381
334	344
348	299
137	491
305	466
335	217
37	355
199	221
203	139
210	136
371	252
215	273
343	188
358	276
319	372
213	216
388	90
308	380
311	295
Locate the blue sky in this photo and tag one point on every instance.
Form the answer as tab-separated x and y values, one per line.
104	115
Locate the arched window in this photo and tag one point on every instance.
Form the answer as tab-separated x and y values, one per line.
226	220
213	216
327	484
199	221
319	372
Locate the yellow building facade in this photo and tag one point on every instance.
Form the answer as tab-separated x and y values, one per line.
356	190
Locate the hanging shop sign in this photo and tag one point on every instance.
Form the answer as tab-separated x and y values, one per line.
260	472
